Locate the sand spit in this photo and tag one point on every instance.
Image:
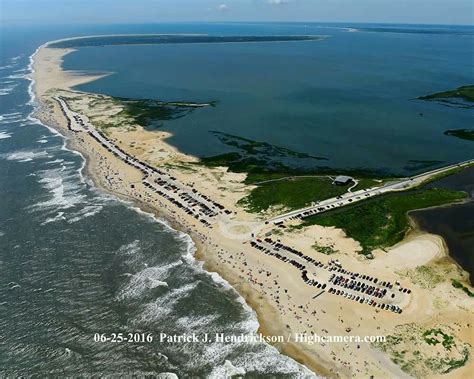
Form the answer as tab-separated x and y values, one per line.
285	305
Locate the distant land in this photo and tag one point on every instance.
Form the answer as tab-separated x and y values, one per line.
462	97
467	134
172	39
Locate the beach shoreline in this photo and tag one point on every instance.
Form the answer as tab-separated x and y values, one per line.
251	297
269	317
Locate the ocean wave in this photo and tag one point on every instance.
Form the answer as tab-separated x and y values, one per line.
149	278
24	156
4	135
9	118
56	161
23	70
65	190
64	193
227	370
269	361
166	375
59	216
17	76
193	322
265	358
6	67
12	63
87	211
8	89
164	305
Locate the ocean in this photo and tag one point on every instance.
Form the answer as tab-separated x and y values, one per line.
75	262
354	92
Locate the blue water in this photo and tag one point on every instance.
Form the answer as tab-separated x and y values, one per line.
75	262
349	98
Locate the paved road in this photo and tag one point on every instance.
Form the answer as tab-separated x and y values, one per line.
80	123
197	204
354	197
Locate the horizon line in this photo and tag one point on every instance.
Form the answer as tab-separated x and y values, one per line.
6	23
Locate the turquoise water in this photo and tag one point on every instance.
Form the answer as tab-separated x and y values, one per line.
349	98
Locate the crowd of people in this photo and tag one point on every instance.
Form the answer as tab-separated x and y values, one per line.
349	281
187	200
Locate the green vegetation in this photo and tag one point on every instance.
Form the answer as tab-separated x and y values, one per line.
158	39
263	160
444	174
236	162
467	134
417	165
460	97
264	166
446	365
456	363
425	276
150	113
327	250
382	222
293	192
252	147
436	336
422	353
459	285
464	92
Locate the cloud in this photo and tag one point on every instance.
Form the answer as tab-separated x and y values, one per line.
277	2
223	7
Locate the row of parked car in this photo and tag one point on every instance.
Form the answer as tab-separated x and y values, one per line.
365	300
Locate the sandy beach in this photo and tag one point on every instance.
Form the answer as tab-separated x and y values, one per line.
284	303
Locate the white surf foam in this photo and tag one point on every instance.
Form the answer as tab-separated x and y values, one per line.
63	191
7	89
165	304
86	212
149	278
10	118
227	370
12	63
191	323
167	375
17	76
4	135
59	216
24	156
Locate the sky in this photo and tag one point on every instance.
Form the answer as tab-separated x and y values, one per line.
24	12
